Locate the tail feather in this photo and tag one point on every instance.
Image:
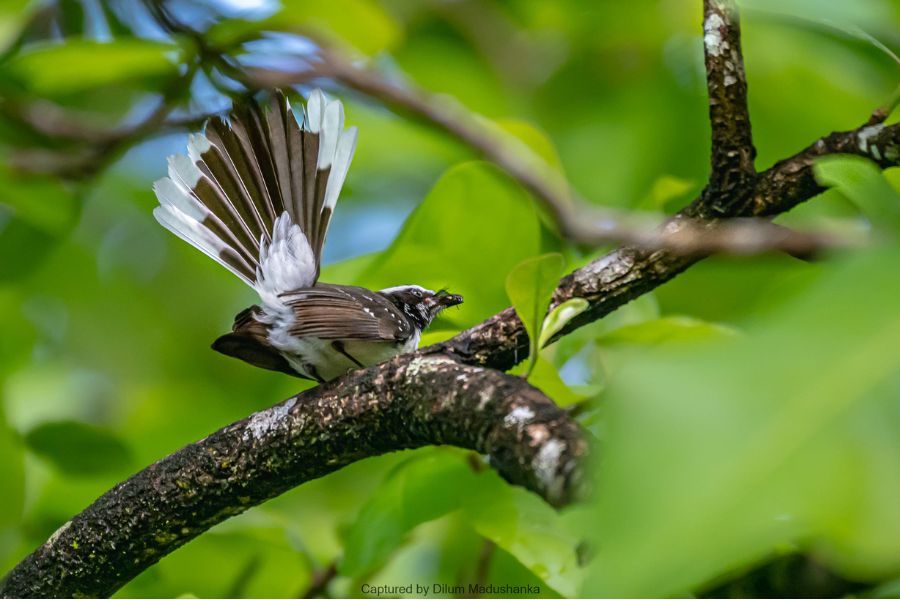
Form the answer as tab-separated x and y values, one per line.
230	168
258	143
194	233
339	168
284	264
257	191
184	176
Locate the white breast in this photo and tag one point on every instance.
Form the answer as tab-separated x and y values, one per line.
327	362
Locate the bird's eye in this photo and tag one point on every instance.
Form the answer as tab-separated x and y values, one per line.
417	293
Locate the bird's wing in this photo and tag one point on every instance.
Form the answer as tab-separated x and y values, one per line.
256	191
338	312
249	342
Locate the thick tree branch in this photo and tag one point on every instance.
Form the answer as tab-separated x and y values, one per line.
409	402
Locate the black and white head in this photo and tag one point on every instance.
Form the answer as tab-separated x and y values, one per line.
419	304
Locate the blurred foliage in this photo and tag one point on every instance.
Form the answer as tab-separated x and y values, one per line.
530	286
781	439
748	410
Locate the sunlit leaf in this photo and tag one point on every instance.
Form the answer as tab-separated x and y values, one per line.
13	13
666	329
536	150
438	483
453	240
530	286
43	202
665	190
863	183
420	490
12	501
854	19
80	65
534	139
347	270
545	376
362	24
526	527
78	448
559	317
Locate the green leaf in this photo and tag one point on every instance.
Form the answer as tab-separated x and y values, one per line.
13	14
362	24
545	377
530	286
440	482
534	139
42	202
459	238
526	527
80	65
12	500
665	190
718	455
855	19
421	489
18	337
254	562
559	317
664	330
78	448
35	214
861	181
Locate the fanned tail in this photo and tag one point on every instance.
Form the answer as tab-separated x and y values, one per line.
256	191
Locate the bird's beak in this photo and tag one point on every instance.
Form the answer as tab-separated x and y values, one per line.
449	299
442	300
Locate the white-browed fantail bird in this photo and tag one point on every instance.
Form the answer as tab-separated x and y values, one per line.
256	193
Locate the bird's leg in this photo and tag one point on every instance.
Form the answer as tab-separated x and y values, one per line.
339	346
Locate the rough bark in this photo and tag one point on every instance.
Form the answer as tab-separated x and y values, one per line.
409	402
732	174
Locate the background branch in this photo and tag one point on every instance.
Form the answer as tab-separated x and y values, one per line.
577	220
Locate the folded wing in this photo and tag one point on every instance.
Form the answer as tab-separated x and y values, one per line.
256	191
340	312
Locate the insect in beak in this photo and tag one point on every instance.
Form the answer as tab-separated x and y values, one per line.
442	300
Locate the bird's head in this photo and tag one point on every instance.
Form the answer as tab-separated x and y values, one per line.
419	304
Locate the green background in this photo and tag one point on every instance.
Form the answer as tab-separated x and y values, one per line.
745	411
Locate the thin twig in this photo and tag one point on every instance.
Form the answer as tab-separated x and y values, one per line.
881	114
320	581
577	220
483	565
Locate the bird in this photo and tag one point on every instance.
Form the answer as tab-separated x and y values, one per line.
256	192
